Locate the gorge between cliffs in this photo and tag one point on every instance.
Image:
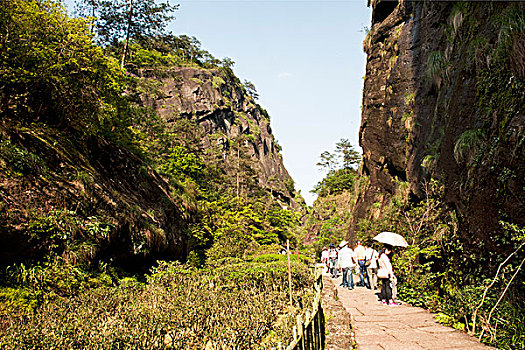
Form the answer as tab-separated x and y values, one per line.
144	200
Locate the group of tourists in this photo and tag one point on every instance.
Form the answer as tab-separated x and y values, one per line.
366	262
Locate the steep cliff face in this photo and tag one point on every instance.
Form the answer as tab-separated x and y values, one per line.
444	98
235	129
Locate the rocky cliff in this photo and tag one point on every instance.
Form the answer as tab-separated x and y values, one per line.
444	98
232	124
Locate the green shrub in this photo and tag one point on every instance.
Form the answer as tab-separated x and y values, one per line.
468	144
265	258
270	258
181	307
435	63
25	288
21	160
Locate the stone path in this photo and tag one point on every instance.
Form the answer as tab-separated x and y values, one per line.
403	327
339	335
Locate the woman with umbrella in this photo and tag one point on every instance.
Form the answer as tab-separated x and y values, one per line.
385	271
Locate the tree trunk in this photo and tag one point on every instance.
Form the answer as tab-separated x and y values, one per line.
238	169
92	30
128	31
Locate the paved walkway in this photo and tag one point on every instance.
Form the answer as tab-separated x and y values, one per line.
403	327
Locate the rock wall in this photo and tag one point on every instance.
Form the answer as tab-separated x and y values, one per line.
226	113
444	98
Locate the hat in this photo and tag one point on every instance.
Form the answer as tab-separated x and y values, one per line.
332	245
325	248
342	244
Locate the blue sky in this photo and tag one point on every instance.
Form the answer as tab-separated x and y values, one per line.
306	61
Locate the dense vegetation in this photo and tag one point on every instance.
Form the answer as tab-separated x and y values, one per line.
475	279
330	217
53	74
61	80
72	102
443	269
71	88
235	305
440	270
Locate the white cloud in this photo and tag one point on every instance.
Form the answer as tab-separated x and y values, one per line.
284	75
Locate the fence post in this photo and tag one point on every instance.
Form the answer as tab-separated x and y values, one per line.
307	330
320	322
316	331
289	270
300	330
308	333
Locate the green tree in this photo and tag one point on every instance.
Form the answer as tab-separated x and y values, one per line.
347	153
328	161
335	182
118	20
227	62
51	72
338	179
181	164
250	89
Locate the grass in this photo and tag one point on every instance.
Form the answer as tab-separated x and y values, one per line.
468	144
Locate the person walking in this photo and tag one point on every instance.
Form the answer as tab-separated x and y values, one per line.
385	273
346	264
371	266
332	260
324	258
359	253
393	284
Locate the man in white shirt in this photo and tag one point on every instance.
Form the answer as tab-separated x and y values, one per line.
346	262
359	253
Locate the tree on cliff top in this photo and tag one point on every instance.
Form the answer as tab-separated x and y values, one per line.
340	166
344	155
116	20
347	153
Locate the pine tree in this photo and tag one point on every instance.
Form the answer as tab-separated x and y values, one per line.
123	20
349	155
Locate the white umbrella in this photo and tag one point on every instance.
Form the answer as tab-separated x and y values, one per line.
391	238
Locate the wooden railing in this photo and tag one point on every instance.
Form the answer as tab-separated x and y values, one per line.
309	333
